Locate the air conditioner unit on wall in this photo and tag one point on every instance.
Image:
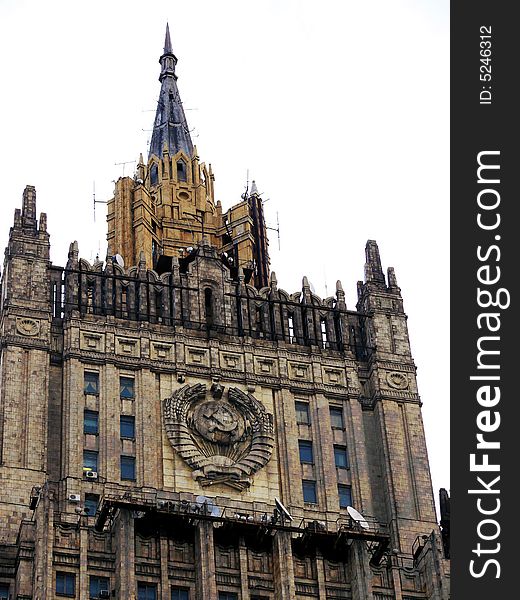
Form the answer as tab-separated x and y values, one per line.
91	474
74	498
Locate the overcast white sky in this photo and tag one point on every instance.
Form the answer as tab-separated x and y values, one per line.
339	109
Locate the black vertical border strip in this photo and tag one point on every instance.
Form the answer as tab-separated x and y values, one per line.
476	128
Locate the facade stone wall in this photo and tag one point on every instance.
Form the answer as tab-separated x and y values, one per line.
356	396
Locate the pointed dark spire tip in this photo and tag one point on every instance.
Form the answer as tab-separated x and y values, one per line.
167	41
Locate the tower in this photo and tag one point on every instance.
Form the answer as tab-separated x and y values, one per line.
169	206
192	430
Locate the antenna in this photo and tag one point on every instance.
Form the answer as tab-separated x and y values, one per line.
277	228
94	199
282	511
124	163
207	506
358	517
246	193
325	280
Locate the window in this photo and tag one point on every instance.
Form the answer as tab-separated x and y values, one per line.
336	418
91	383
259	323
4	591
90	298
128	467
180	593
154	174
158	306
98	585
345	496
323	325
91	502
90	460
146	591
181	170
126	387
306	454
127	426
302	413
124	300
340	457
208	306
91	421
290	318
309	491
65	584
227	596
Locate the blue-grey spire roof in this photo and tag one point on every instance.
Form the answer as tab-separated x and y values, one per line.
170	124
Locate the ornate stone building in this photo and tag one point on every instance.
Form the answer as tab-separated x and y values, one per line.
181	427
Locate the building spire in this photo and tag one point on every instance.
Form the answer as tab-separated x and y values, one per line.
167	41
170	126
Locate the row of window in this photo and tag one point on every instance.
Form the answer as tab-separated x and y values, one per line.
181	168
310	495
91	424
303	416
91	385
127	464
307	454
99	587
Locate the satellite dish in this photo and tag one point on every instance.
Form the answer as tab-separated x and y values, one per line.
119	260
358	517
282	510
210	507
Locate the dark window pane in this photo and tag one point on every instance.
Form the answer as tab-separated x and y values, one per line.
340	457
227	596
91	502
90	421
98	585
91	383
65	584
336	418
302	413
345	496
154	174
306	454
146	591
128	467
90	460
127	427
309	491
126	387
181	170
4	591
180	593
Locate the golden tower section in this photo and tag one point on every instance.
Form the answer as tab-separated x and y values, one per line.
168	207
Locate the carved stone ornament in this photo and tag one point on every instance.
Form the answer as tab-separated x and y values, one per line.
224	440
397	380
27	326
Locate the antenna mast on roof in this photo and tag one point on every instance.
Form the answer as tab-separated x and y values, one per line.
124	163
277	228
246	193
94	199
